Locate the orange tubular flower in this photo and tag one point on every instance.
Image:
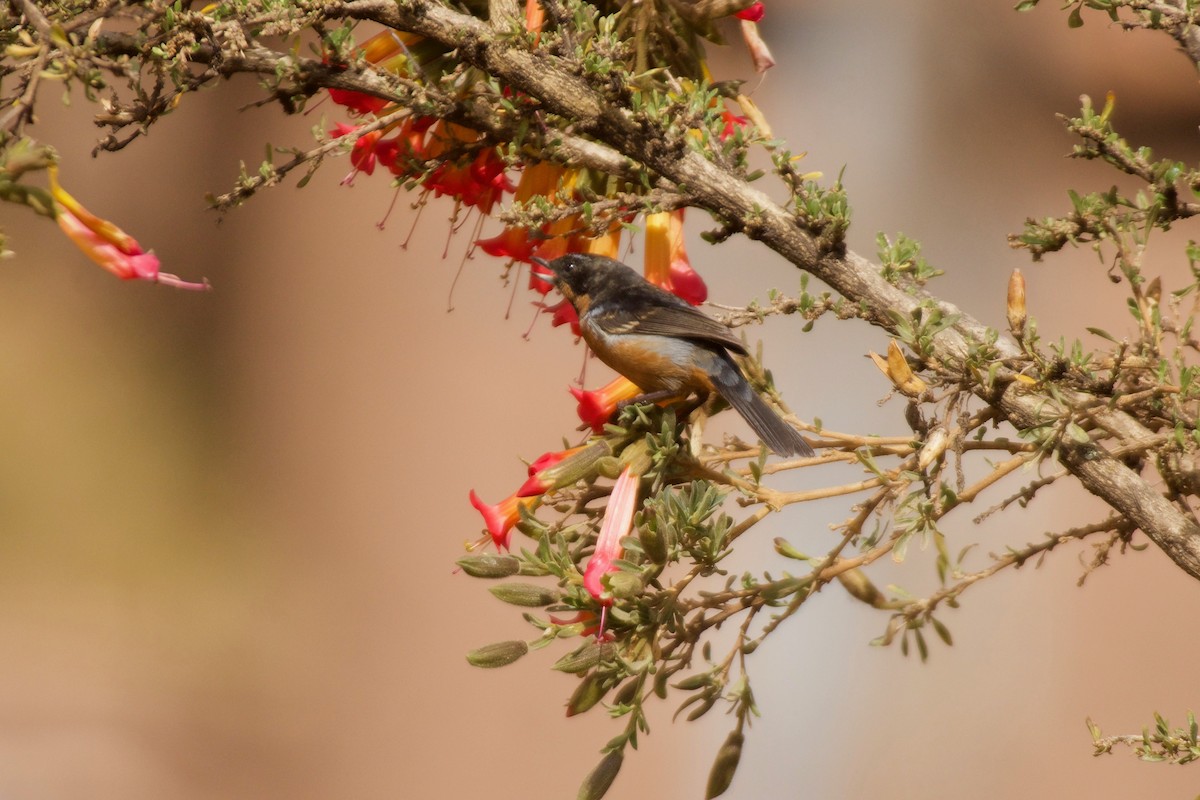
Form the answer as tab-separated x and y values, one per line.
390	48
597	407
667	262
540	179
106	244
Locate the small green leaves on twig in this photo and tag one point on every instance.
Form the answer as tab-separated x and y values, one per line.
1161	743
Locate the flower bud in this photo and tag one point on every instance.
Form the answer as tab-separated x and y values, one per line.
859	586
584	658
1016	303
933	448
587	694
529	595
725	765
499	654
488	565
624	585
596	784
653	543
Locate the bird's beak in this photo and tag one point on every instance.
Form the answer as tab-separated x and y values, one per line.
541	262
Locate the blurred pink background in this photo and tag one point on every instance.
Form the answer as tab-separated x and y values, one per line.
228	521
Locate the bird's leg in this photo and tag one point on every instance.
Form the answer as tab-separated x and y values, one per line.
650	397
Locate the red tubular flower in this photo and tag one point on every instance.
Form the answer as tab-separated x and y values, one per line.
106	244
752	13
499	518
618	520
562	313
517	243
597	407
362	156
512	243
732	123
357	102
686	283
403	152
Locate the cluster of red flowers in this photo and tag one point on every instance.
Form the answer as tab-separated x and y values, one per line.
455	161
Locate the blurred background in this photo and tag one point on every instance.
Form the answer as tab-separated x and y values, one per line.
228	521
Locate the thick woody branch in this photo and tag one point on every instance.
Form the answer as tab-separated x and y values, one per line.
610	137
557	85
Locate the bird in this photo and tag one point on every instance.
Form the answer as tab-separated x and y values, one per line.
666	347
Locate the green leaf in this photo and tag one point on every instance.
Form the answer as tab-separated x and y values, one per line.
598	781
942	631
1103	334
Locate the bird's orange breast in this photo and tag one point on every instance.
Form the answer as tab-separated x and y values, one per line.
654	363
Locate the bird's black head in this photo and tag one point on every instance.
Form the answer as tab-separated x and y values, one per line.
579	275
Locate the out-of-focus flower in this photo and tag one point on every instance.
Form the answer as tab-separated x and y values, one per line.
759	52
479	182
732	123
106	244
667	262
535	17
597	407
387	49
618	520
542	179
562	313
499	518
752	13
606	244
357	102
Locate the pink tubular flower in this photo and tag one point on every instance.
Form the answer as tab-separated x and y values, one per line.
106	244
597	407
759	52
618	520
499	518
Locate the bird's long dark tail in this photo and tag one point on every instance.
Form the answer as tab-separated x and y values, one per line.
779	436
